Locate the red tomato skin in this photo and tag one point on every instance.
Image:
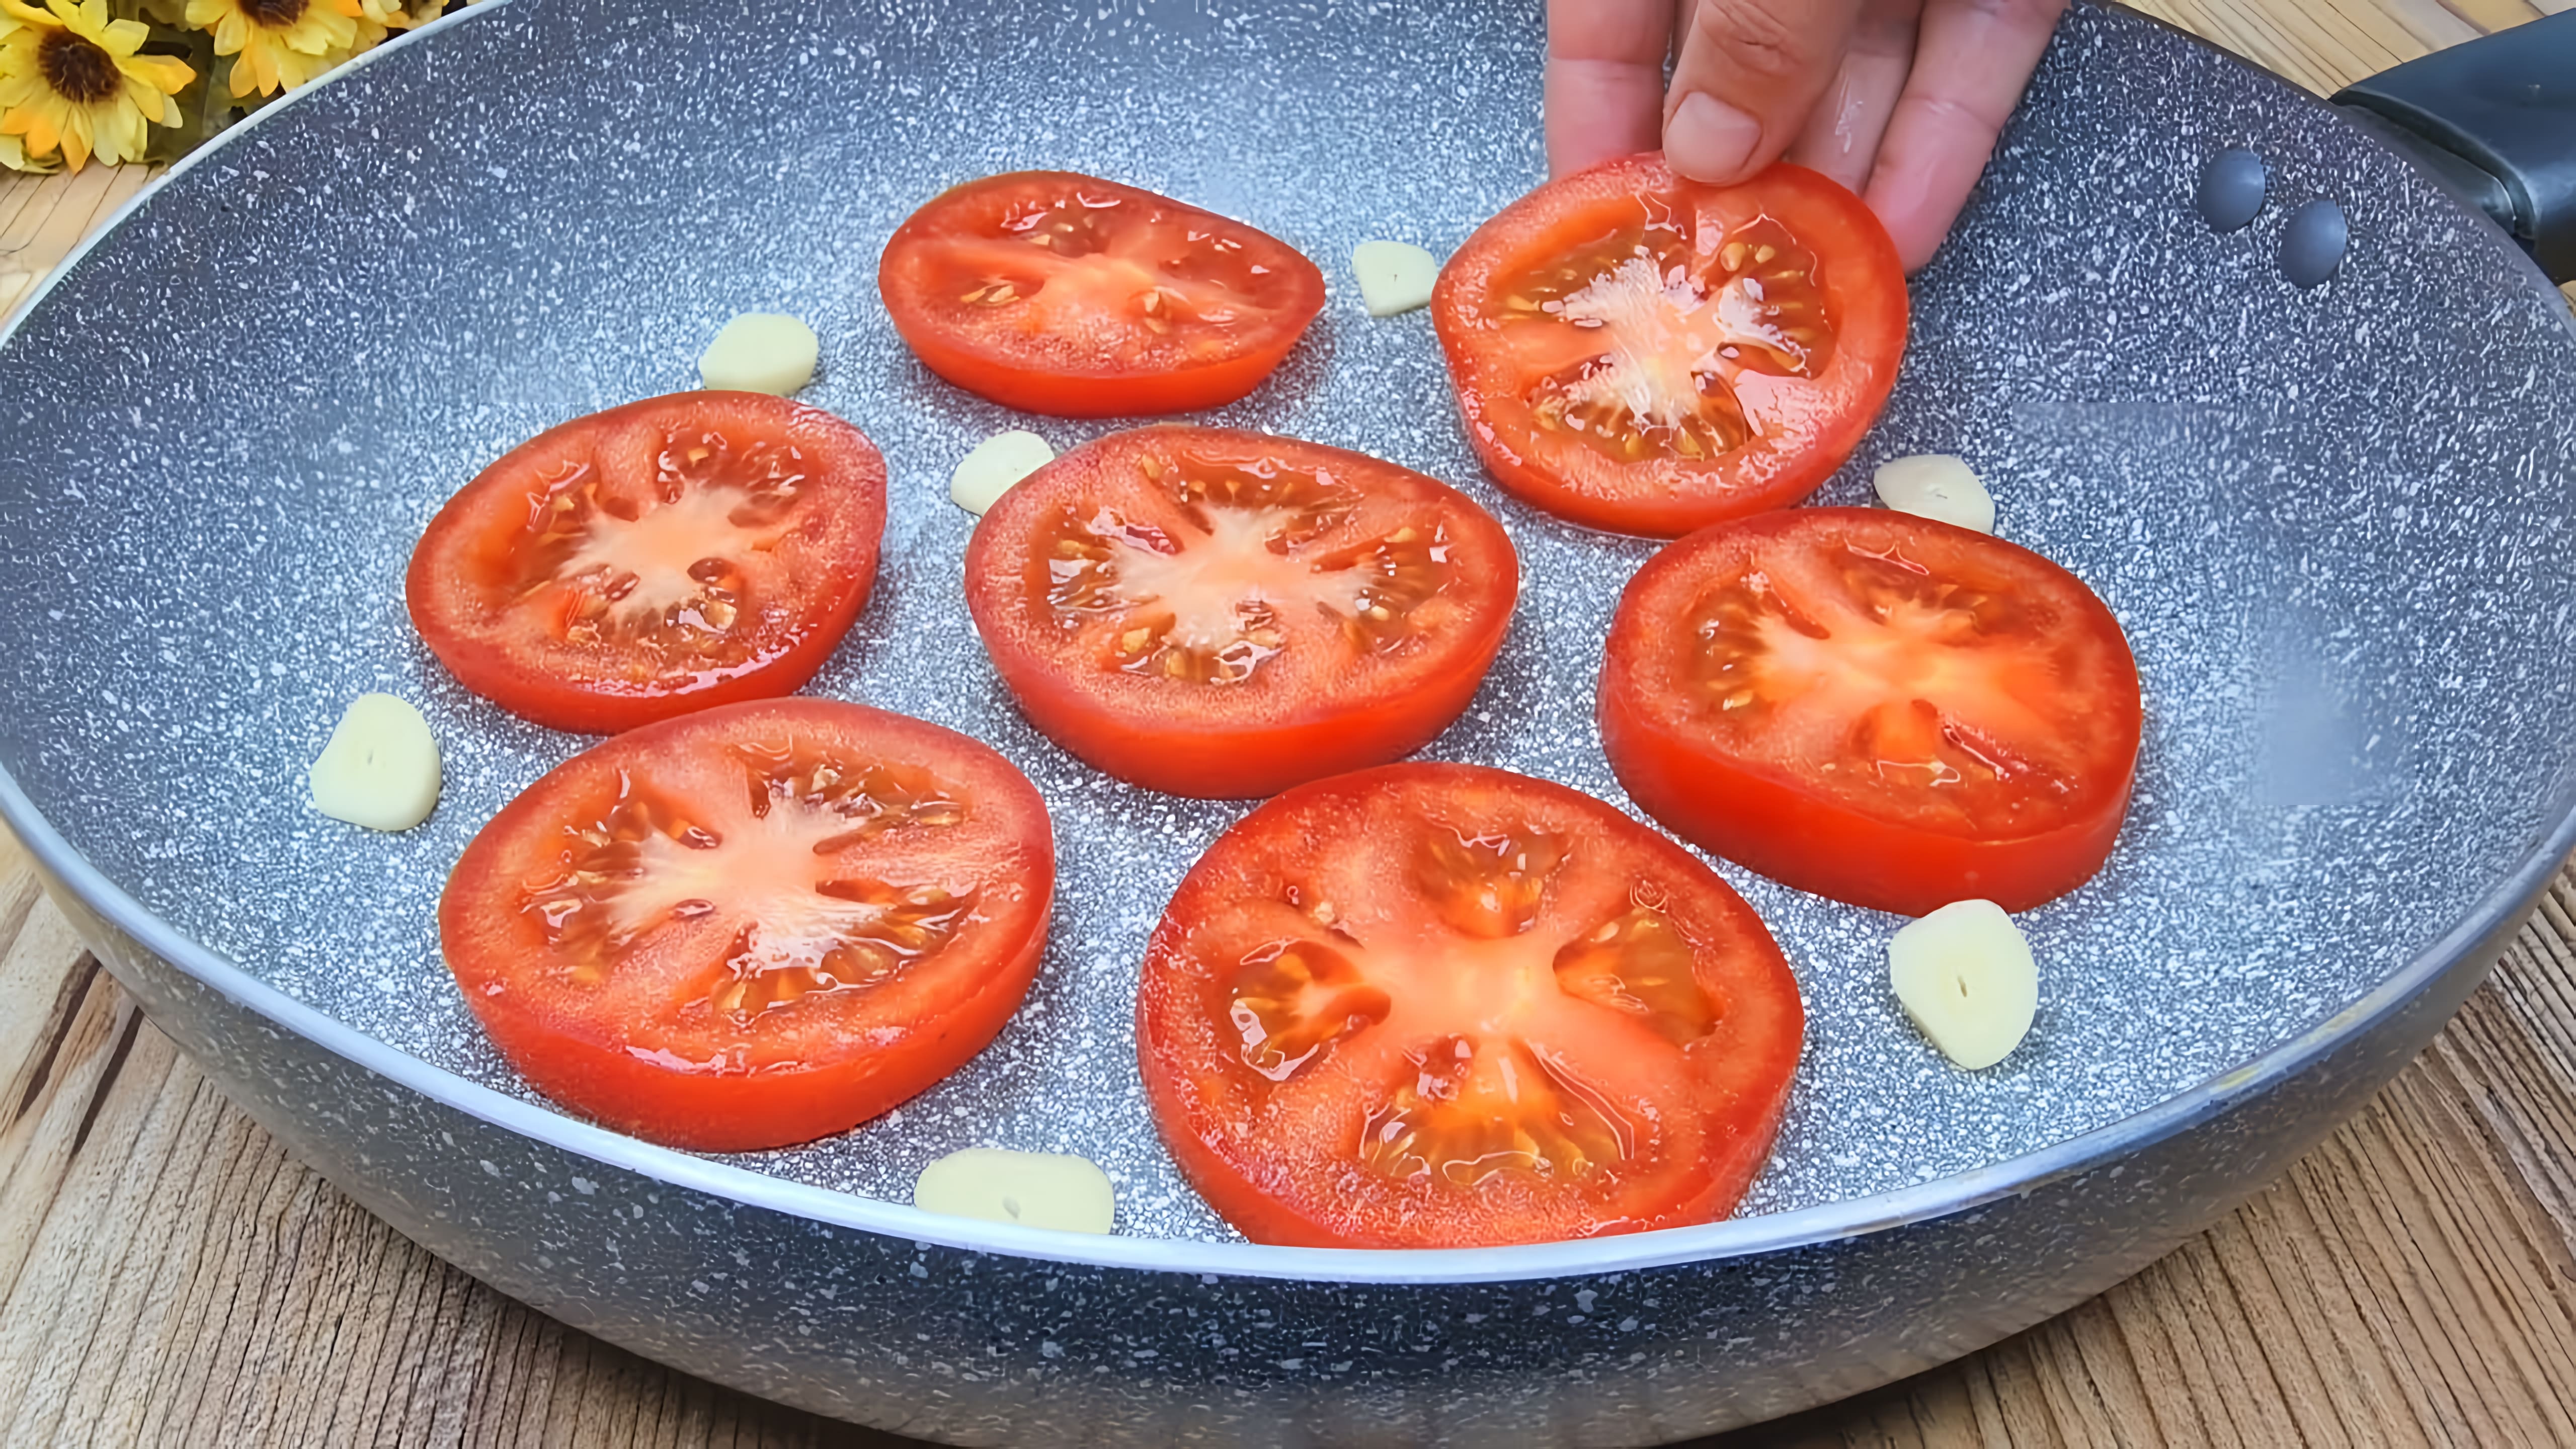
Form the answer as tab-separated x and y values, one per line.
1770	825
729	1112
772	1105
1207	763
432	587
1107	391
1772	828
1115	395
1214	760
1236	1192
1675	498
1189	1106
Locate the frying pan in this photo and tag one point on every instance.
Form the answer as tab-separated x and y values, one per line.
2334	519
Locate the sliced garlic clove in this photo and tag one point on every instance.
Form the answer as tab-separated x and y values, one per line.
761	352
1033	1189
1965	975
1937	486
380	769
985	474
1394	276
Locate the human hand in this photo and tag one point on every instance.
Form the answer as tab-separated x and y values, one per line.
1900	100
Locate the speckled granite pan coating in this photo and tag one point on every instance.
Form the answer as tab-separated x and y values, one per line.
2334	523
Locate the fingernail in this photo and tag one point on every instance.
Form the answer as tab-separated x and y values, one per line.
1709	140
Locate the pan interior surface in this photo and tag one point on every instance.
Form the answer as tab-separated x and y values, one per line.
2335	522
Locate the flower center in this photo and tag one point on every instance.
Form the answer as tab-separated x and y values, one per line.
275	14
78	70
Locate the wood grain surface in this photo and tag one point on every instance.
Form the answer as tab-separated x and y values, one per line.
169	1276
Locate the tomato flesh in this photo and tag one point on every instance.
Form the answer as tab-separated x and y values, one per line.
1875	707
1225	614
756	925
653	559
1437	1005
1066	294
1645	354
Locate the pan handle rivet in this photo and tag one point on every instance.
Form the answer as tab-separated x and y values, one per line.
2231	189
2312	245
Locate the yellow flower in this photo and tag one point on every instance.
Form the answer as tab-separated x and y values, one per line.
71	83
13	155
278	44
376	17
379	16
13	152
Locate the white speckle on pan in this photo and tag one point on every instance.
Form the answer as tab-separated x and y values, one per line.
227	429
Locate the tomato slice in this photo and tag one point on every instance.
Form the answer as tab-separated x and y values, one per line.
1226	614
1440	1006
1645	354
755	925
1066	294
1875	707
653	559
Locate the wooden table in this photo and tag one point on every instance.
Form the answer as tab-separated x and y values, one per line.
169	1275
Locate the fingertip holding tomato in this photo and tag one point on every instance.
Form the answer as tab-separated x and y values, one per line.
652	559
1224	614
1444	1006
754	926
1876	707
1065	294
1644	354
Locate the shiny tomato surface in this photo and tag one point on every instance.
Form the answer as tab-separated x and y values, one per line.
1875	707
653	559
1442	1006
1226	614
1645	354
755	925
1066	294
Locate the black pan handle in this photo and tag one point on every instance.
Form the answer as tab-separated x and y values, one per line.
2496	116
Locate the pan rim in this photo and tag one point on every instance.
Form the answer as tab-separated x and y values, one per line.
1729	1239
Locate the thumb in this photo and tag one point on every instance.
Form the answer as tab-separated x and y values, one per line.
1749	74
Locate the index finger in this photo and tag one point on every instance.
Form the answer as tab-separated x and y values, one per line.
1605	79
1972	62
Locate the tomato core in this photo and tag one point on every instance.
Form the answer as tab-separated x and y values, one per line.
1663	342
1210	603
801	921
1639	352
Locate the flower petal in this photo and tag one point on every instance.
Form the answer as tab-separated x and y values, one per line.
163	72
38	128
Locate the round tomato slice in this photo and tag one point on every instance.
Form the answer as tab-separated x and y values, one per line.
1443	1006
1875	707
653	559
754	925
1066	294
1645	354
1226	614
